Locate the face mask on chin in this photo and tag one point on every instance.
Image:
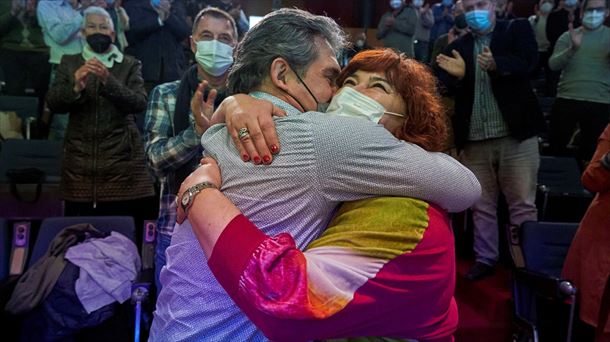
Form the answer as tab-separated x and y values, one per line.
99	42
214	57
352	103
320	106
593	19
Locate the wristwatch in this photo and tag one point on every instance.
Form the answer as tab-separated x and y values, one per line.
189	195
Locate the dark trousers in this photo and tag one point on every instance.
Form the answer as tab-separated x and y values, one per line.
592	119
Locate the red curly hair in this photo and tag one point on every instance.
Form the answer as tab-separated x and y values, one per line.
425	124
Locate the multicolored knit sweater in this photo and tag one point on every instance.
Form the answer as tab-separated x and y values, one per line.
384	267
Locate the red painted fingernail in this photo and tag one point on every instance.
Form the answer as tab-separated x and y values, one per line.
274	148
266	159
257	160
245	157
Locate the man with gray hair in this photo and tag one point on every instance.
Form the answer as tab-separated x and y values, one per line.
103	169
289	59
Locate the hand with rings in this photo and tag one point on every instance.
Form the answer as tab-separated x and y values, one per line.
251	126
243	133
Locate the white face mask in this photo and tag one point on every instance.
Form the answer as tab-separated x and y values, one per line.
593	19
546	7
418	3
350	102
214	57
395	4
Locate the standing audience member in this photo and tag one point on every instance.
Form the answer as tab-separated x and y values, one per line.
443	19
234	9
156	32
556	24
496	120
174	123
103	169
61	22
357	46
539	22
120	20
588	261
24	56
460	28
397	27
583	93
422	31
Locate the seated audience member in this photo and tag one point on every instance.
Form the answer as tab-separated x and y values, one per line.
103	169
390	255
173	124
588	261
324	160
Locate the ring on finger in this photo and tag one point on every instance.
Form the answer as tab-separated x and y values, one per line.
243	133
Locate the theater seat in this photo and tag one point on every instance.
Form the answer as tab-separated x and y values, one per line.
539	250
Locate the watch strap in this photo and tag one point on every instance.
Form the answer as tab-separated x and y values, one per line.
193	191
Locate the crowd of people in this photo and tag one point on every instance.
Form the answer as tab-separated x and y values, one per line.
324	218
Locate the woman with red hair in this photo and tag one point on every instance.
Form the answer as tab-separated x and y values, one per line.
385	266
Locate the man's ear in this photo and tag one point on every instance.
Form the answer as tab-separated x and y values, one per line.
278	72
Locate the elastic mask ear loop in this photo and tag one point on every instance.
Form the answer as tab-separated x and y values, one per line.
395	114
306	87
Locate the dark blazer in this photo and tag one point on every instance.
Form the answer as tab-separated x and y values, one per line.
516	53
159	47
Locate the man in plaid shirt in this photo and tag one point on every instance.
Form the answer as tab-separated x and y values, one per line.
174	122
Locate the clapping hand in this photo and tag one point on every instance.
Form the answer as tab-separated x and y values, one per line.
575	36
486	60
455	65
163	9
201	108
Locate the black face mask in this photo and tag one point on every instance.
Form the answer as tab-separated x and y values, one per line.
99	42
460	22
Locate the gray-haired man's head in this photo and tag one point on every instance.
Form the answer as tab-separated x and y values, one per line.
283	46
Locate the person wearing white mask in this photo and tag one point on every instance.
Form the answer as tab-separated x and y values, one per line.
538	22
173	124
422	33
496	122
397	27
583	93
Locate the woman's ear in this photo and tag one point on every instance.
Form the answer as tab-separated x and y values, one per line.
279	70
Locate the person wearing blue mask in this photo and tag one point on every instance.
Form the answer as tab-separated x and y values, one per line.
397	27
497	119
582	55
173	125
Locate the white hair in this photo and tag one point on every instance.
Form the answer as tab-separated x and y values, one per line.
99	11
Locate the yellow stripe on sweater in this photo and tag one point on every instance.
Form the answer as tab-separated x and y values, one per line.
381	227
